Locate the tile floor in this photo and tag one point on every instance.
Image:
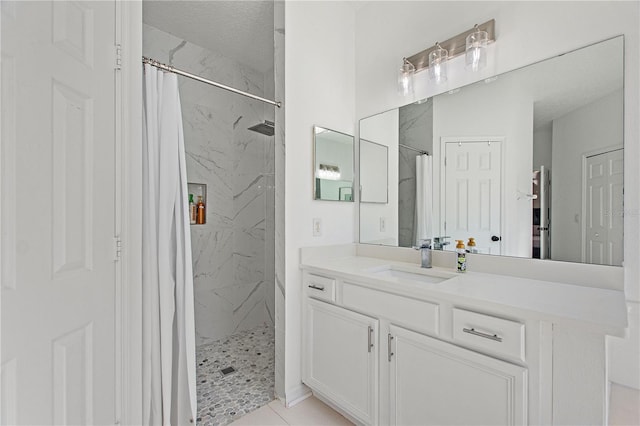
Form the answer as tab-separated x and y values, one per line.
310	412
222	399
624	411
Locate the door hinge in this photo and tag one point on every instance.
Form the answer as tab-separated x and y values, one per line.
117	249
118	64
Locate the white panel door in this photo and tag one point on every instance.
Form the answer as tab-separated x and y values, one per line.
603	207
58	213
437	383
473	194
341	358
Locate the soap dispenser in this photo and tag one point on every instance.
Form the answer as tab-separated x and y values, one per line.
471	245
461	256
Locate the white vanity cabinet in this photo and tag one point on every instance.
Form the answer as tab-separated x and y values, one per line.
341	360
473	348
437	383
384	358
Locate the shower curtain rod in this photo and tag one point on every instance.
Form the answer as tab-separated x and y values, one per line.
413	149
174	70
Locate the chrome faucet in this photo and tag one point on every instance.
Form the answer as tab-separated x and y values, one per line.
425	252
440	242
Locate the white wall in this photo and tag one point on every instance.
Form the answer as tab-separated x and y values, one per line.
319	79
542	148
388	30
594	126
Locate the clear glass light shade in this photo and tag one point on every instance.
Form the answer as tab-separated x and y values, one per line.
405	78
476	51
438	64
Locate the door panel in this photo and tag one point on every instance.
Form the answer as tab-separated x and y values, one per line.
437	383
58	213
473	193
341	348
604	208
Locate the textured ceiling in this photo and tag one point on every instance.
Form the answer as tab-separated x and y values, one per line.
241	30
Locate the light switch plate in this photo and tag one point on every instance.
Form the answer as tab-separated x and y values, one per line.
317	227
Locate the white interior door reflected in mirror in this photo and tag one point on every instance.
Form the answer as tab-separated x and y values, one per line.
602	206
374	179
333	165
472	195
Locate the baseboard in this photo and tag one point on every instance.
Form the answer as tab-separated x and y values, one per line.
296	395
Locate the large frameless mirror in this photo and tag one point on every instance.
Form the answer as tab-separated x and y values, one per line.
333	165
528	163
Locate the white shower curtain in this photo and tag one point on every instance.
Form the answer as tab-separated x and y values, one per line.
424	198
168	348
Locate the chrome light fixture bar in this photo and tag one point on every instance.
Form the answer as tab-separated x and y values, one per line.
455	45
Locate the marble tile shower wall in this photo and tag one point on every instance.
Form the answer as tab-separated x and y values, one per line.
416	130
233	275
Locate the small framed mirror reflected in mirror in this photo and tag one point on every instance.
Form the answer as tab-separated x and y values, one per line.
333	165
374	182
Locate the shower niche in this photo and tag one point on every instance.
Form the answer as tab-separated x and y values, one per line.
197	203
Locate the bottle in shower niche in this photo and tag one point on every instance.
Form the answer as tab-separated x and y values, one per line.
461	256
200	217
193	210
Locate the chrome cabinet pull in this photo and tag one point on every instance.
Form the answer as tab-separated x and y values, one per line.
480	334
389	353
315	287
370	339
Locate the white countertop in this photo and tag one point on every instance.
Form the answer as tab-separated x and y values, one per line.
600	310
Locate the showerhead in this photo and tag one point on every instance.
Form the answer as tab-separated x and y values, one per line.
265	128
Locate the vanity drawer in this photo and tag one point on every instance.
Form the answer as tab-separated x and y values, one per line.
320	287
493	334
418	315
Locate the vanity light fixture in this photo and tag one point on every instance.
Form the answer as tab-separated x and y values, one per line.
478	38
405	78
328	172
476	50
438	64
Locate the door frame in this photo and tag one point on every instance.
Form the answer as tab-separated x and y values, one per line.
441	183
583	201
128	82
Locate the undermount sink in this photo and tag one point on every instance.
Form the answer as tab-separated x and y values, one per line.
422	275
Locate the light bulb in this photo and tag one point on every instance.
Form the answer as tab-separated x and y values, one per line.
476	49
438	64
405	78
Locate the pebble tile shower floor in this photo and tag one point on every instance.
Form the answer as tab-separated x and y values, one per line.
223	399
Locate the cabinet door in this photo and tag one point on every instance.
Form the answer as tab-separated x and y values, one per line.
437	383
341	358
